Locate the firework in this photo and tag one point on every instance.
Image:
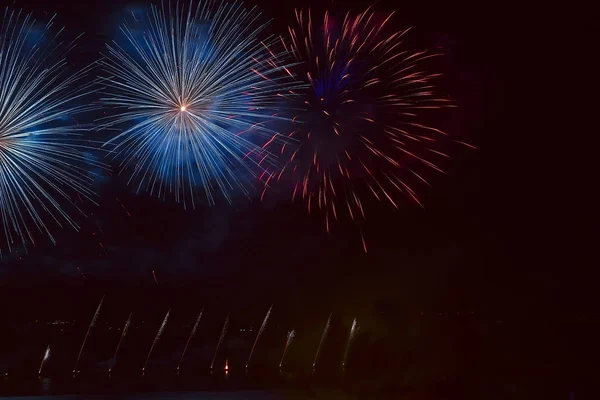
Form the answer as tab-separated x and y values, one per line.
290	336
42	152
325	330
157	338
192	99
44	359
223	332
260	331
92	324
353	330
362	125
192	333
123	334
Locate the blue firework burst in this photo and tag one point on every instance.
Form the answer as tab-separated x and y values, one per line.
192	91
42	152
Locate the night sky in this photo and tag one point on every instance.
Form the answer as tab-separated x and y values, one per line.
270	247
476	246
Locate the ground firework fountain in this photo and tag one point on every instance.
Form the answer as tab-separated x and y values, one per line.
353	330
44	359
123	334
290	336
321	341
92	323
260	331
192	333
223	332
157	338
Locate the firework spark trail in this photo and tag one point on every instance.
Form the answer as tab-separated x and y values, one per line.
191	98
353	330
92	324
362	127
260	331
44	359
290	337
123	334
223	332
157	338
322	339
154	276
192	333
42	150
123	206
364	244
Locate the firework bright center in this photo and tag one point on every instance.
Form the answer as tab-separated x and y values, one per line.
182	108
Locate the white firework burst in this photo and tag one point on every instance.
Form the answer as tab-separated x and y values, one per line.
42	151
192	91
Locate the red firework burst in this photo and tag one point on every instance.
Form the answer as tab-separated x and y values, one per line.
362	124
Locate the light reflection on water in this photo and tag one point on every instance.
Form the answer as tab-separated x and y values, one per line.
230	385
245	395
45	385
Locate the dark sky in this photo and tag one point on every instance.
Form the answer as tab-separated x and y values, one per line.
466	248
